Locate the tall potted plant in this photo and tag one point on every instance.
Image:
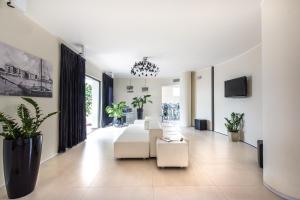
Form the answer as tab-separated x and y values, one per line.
22	147
233	126
139	102
116	110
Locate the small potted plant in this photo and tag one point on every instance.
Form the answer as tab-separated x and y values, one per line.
116	110
139	102
22	147
233	126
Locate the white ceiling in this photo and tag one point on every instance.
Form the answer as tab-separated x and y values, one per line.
178	35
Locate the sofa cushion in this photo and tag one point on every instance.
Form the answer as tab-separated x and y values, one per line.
134	133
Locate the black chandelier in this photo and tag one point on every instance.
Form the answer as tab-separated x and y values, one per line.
144	68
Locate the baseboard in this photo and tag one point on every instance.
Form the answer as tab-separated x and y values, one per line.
50	157
279	193
240	140
220	133
249	144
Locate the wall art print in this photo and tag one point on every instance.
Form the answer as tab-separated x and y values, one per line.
22	74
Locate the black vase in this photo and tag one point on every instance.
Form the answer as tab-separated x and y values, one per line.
140	113
21	161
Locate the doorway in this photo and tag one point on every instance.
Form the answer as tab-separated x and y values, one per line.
92	103
170	107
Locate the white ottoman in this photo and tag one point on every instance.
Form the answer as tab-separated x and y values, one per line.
172	154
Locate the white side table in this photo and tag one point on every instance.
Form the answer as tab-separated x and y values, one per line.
172	154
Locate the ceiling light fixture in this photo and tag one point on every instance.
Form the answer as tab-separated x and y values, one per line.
144	68
129	87
9	4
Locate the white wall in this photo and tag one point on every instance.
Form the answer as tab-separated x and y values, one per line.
19	32
248	64
186	99
169	95
202	92
281	97
93	70
155	89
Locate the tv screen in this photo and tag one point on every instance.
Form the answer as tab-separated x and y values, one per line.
236	87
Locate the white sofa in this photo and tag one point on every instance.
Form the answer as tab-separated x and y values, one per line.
132	143
138	140
155	132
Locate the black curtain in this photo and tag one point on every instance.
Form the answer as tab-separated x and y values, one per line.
107	97
72	124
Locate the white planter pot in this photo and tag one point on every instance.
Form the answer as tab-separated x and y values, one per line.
234	136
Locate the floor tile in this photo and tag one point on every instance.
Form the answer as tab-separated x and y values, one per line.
218	169
188	193
248	193
120	193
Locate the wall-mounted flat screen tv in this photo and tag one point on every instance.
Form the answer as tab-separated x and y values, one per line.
236	87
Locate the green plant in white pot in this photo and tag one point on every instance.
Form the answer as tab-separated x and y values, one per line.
233	126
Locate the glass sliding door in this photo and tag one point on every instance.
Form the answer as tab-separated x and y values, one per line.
171	104
92	102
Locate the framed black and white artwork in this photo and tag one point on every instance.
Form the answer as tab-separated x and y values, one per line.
23	74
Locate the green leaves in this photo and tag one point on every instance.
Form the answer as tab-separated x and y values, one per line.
116	110
88	99
11	130
29	125
34	104
26	120
139	102
234	123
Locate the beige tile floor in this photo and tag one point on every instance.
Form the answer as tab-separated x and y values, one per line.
219	170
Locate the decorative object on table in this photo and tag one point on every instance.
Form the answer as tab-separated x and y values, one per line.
22	74
139	102
233	126
22	146
144	68
166	139
172	139
116	111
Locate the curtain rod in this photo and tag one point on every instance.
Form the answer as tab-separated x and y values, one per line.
70	47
